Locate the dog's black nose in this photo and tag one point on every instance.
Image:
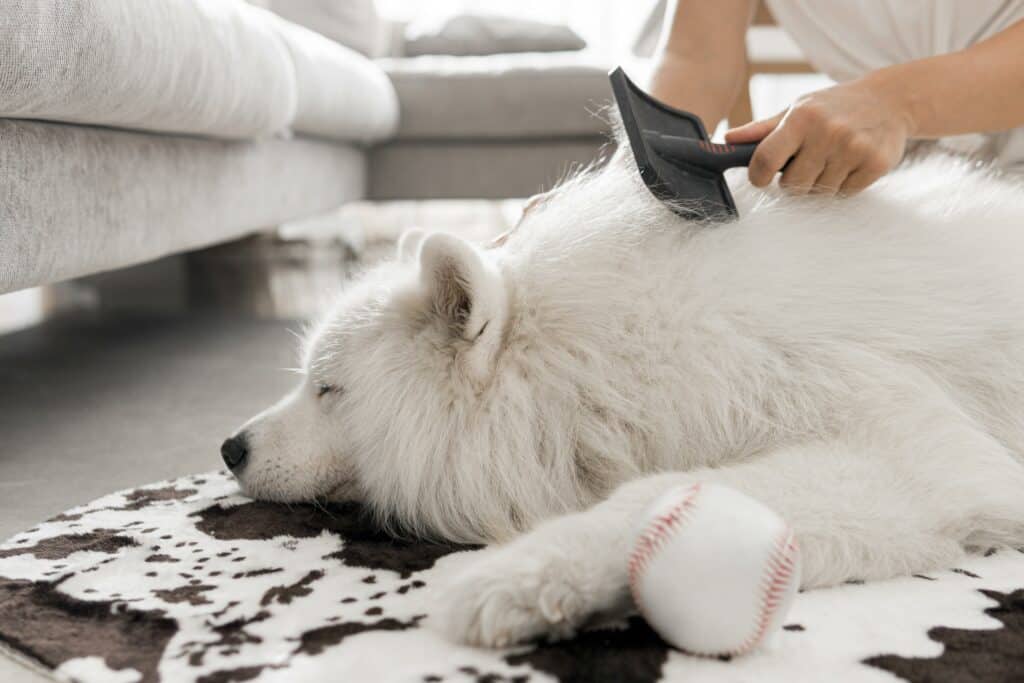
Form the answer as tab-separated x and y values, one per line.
235	450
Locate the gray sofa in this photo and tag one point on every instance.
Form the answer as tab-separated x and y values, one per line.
490	127
134	129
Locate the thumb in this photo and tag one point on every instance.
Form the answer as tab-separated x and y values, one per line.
753	131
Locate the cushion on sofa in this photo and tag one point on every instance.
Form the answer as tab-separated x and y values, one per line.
170	65
353	23
478	34
340	93
534	95
220	68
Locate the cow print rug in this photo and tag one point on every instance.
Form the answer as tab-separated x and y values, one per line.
189	581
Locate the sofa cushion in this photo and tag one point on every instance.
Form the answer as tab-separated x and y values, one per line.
220	68
168	65
535	95
478	34
340	93
353	23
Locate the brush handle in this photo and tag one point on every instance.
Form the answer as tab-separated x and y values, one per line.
701	154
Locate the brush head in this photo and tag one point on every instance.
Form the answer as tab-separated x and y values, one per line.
688	189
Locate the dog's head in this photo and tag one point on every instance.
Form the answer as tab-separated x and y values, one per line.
458	391
392	407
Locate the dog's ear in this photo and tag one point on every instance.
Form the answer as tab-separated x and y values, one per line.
409	244
469	293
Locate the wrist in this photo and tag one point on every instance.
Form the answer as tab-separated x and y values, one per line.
671	61
893	88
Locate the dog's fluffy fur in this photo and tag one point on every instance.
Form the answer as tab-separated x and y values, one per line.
856	364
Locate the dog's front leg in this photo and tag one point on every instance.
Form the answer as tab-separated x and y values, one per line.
566	572
858	513
550	581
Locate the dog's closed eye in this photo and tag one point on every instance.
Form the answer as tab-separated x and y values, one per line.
323	389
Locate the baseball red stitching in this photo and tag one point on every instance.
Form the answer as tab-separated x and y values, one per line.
655	536
778	574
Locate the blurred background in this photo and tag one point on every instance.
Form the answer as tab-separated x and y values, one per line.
608	26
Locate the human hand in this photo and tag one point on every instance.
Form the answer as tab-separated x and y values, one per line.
837	141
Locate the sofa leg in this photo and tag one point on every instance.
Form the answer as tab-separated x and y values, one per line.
266	276
155	286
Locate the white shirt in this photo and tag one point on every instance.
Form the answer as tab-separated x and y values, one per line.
846	39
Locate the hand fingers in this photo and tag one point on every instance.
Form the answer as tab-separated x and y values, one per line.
774	152
832	178
753	131
862	177
807	165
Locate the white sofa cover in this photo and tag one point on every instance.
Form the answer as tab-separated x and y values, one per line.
220	68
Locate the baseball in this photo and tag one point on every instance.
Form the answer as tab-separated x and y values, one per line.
713	571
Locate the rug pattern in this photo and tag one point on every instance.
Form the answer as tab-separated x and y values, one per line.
189	581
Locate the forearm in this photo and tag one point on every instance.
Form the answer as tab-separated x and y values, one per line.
980	89
697	87
700	62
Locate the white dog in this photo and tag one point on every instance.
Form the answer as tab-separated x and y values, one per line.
857	365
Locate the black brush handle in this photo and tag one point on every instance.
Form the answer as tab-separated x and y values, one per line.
709	156
703	154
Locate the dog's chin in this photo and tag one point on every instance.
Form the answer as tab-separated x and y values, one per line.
257	490
344	492
265	491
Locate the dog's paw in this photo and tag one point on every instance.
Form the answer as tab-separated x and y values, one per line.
506	598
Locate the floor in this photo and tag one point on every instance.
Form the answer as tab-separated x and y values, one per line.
90	404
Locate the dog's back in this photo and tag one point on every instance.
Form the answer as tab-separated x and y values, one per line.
696	344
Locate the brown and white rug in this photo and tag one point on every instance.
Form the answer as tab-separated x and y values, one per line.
189	581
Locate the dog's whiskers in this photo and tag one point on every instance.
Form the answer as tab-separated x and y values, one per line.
319	504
